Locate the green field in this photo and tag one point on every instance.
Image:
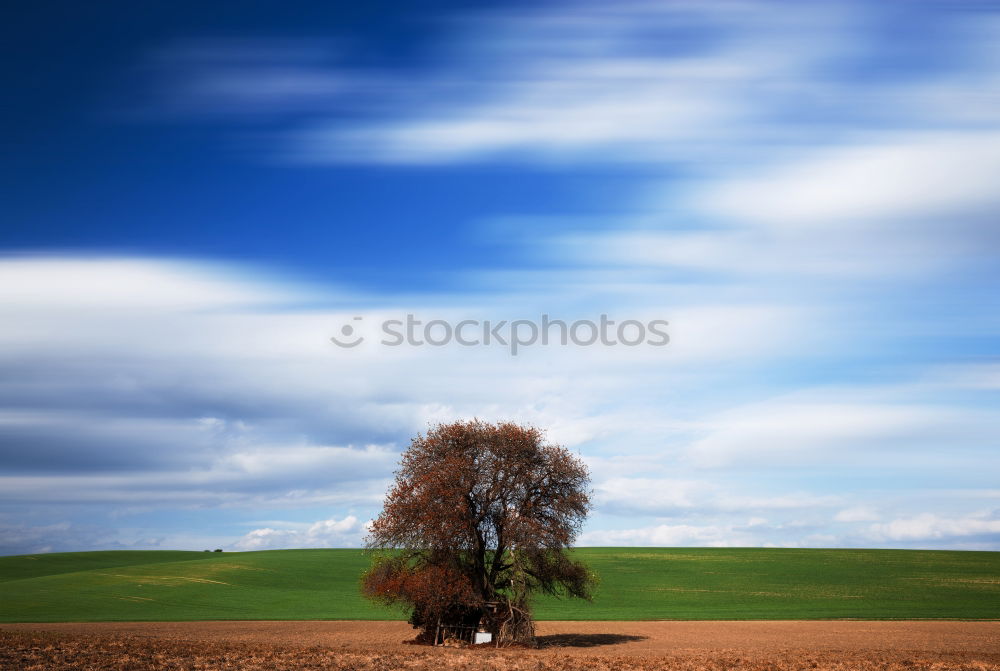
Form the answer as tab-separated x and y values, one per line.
636	584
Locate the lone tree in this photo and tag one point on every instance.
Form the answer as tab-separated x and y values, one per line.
479	518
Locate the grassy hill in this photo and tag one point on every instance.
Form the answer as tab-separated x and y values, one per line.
636	584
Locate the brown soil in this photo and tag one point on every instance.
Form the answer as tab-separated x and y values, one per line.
563	646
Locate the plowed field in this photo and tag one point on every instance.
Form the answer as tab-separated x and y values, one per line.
563	646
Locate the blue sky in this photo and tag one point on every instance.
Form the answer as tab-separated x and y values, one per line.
195	200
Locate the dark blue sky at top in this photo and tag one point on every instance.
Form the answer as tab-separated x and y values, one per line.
78	176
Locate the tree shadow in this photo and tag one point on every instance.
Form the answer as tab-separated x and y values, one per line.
584	640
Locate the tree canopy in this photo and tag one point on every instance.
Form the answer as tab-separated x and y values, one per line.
480	517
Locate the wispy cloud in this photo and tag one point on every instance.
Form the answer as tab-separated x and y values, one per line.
708	86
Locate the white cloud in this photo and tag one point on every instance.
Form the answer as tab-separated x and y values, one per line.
930	526
897	207
663	535
71	283
345	532
905	179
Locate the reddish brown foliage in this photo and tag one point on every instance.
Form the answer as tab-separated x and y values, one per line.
479	513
